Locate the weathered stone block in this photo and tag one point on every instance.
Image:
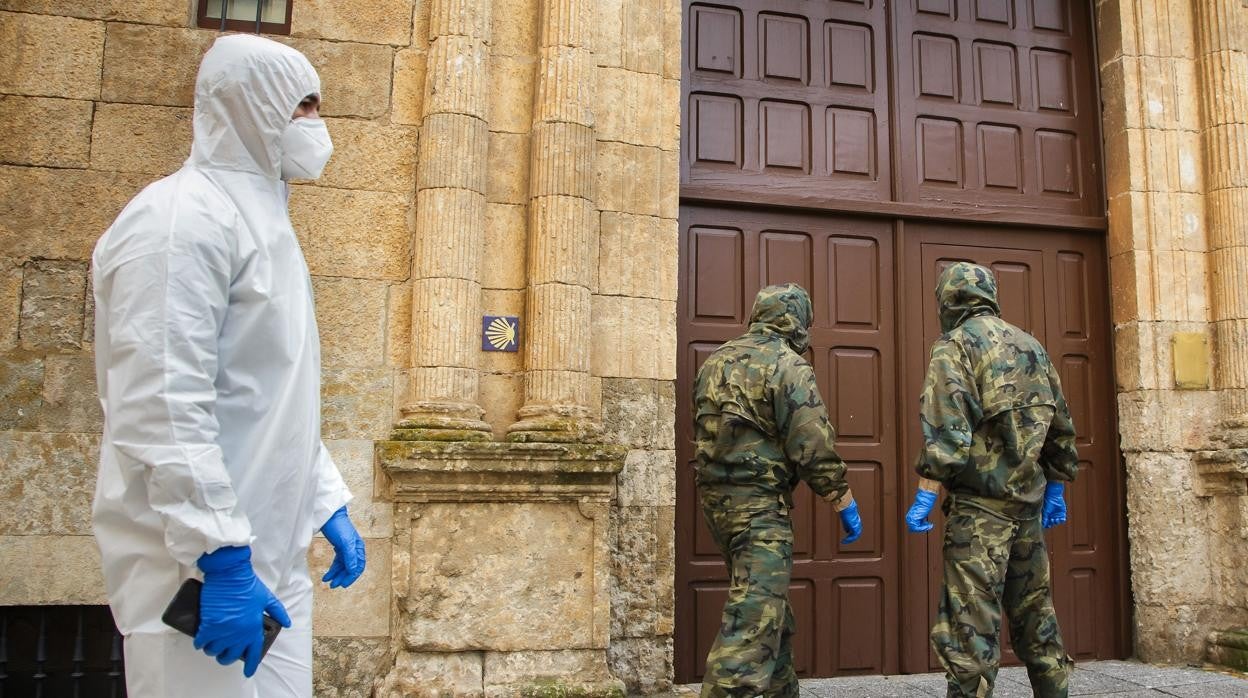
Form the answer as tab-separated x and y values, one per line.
50	570
351	315
358	234
634	337
637	256
153	65
636	110
355	78
139	138
48	481
377	22
511	93
579	673
628	178
501	576
408	96
21	390
10	302
356	403
1165	420
506	234
59	214
639	413
672	48
642	39
648	479
502	396
44	131
514	27
50	56
166	12
434	675
665	571
361	610
53	302
1175	632
347	667
399	326
644	663
634	604
507	169
371	155
609	28
372	517
1131	286
70	397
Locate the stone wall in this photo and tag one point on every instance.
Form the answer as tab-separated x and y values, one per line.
1185	548
95	102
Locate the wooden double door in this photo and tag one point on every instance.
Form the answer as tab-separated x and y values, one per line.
866	607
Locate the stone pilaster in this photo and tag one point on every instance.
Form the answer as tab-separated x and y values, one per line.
563	224
450	225
1221	35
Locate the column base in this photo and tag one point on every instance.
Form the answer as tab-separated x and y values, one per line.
1228	648
442	421
555	424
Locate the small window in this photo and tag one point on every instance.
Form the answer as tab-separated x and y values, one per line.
255	16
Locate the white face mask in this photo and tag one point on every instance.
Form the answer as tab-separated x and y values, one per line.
306	148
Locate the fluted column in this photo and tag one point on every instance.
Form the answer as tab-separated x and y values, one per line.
450	225
1222	35
563	222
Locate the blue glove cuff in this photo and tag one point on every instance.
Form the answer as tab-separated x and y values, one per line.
926	498
225	558
340	514
1053	487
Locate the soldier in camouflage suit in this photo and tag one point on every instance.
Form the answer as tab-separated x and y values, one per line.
997	434
759	427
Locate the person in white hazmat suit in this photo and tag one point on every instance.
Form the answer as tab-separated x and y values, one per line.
208	363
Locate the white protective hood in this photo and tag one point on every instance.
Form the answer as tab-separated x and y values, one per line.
207	353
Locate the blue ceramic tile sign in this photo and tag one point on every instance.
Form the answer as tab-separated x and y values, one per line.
500	333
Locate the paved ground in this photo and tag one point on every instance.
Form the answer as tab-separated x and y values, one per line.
1116	679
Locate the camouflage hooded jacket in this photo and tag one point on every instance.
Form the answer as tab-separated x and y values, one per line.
995	425
759	422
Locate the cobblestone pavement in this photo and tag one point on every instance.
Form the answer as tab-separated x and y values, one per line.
1116	679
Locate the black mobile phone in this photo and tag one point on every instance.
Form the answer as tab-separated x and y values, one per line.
182	614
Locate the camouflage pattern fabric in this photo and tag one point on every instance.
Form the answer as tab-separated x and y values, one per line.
753	652
760	426
996	427
759	422
992	561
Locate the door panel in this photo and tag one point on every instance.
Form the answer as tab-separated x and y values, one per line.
846	265
1049	275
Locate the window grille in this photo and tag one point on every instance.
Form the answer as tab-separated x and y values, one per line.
254	16
54	651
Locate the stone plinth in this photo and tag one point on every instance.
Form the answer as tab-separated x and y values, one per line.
501	567
1229	648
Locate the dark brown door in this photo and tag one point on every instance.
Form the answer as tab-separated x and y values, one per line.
850	593
821	141
1051	285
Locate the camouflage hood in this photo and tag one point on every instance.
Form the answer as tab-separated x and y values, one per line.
965	291
784	310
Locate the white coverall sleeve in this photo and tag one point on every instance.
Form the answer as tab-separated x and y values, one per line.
165	309
332	493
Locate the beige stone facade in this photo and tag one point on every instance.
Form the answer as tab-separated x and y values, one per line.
1174	79
521	157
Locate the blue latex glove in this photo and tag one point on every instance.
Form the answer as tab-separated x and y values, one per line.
851	522
232	605
1054	505
916	516
349	554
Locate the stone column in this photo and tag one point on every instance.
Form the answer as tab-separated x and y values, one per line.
563	223
1222	37
450	227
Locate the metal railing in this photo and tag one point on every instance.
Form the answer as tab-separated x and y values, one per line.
55	651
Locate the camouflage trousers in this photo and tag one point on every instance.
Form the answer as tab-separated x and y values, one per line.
992	562
753	652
